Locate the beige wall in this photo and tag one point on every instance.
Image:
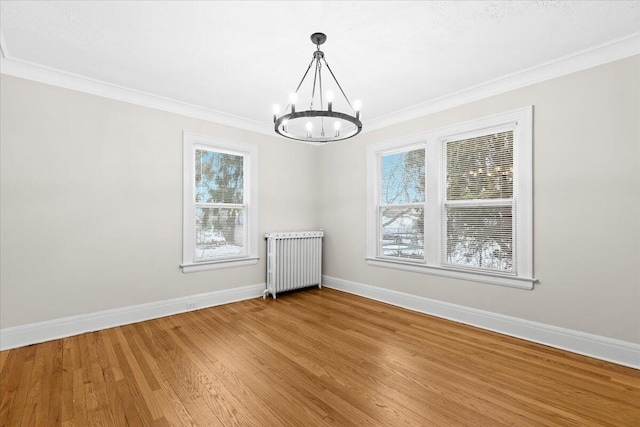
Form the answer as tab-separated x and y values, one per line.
92	202
586	205
91	215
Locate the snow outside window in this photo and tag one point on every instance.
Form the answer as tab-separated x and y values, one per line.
219	227
401	205
455	202
479	206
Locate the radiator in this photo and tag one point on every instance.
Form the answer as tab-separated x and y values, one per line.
294	260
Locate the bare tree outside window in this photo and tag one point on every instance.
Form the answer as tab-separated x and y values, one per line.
402	204
479	206
220	210
456	201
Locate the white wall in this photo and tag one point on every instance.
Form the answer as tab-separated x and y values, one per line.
586	205
91	212
91	204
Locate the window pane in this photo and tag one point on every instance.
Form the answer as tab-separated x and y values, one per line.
219	177
220	232
480	167
403	177
480	237
402	232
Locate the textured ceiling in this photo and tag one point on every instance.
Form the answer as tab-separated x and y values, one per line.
241	57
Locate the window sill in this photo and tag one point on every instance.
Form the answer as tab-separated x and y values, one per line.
493	279
215	265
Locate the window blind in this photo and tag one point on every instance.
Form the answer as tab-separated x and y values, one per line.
479	208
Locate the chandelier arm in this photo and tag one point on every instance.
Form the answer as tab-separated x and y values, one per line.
305	74
303	77
321	103
320	82
284	125
315	78
340	87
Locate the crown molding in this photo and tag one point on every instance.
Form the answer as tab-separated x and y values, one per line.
4	53
27	70
598	55
608	52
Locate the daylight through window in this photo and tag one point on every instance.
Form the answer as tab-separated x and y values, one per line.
479	203
401	209
456	201
219	203
220	209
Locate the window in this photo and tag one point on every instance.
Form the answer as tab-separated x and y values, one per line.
220	203
401	208
456	202
478	202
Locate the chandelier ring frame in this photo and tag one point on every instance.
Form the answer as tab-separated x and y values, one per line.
281	130
283	124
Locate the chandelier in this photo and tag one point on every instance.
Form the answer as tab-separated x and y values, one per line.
322	121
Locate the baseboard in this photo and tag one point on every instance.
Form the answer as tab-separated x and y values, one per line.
33	333
599	347
603	348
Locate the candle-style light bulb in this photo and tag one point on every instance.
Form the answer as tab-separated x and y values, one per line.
357	105
309	127
329	96
337	125
293	98
276	111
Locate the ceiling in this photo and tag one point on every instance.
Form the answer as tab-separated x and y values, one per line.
237	58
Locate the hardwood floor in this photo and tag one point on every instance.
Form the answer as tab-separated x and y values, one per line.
317	357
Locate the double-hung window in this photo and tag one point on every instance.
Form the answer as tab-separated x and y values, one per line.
456	202
219	203
401	207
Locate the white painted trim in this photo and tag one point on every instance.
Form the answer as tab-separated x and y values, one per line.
607	52
34	333
217	265
613	50
249	152
596	346
472	276
520	121
4	52
52	76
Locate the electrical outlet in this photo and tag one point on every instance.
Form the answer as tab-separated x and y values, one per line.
191	306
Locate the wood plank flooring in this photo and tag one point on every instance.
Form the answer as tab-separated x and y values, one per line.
311	358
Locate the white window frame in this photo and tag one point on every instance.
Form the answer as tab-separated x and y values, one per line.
249	152
380	206
521	121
